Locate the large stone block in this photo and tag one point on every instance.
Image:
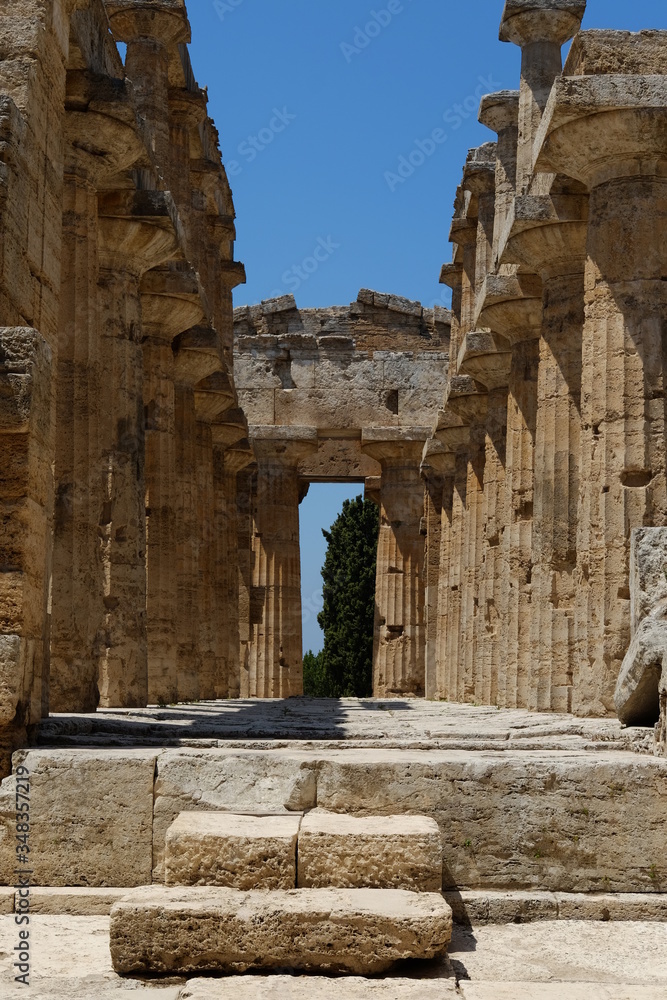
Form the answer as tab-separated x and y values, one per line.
239	852
561	821
375	852
232	781
363	931
318	988
91	817
648	572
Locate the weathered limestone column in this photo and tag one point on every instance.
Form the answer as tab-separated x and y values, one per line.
540	28
136	233
512	309
433	466
170	305
246	490
77	587
548	234
500	113
150	28
487	360
196	356
275	669
399	642
617	148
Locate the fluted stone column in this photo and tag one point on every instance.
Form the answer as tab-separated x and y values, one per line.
77	584
540	28
512	309
434	464
617	148
246	489
500	113
170	305
130	242
549	235
275	669
399	642
487	360
150	28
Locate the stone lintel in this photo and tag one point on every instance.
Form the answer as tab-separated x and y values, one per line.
511	305
165	21
546	233
632	53
528	21
499	111
596	128
486	358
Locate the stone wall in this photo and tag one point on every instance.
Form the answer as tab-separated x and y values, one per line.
345	394
552	436
120	433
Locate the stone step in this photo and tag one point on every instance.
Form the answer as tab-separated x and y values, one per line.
162	930
318	988
226	849
374	852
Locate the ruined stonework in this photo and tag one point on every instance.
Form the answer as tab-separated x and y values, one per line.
120	433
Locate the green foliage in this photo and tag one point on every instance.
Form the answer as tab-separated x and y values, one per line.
315	682
344	668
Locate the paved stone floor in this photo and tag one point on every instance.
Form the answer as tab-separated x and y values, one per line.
410	723
569	960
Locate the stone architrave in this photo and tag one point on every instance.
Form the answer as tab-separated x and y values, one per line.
399	645
608	132
275	668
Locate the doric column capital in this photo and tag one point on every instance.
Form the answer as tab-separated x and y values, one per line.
479	174
232	273
511	306
451	274
164	21
547	233
187	108
99	127
170	303
596	128
437	462
197	354
283	446
525	22
138	230
215	400
393	447
500	111
486	358
467	401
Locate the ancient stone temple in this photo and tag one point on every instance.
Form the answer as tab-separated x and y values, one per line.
163	774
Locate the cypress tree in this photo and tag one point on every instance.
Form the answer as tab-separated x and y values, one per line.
345	667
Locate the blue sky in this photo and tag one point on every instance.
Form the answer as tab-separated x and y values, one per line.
316	102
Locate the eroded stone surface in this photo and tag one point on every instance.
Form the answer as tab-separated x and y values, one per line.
388	852
316	988
362	931
91	818
240	852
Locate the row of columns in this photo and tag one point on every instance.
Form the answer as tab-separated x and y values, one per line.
557	335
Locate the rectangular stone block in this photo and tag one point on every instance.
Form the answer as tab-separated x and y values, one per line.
560	821
234	781
374	852
560	991
363	931
318	988
239	852
74	901
91	817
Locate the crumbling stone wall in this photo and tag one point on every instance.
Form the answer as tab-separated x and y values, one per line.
334	395
551	443
120	433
